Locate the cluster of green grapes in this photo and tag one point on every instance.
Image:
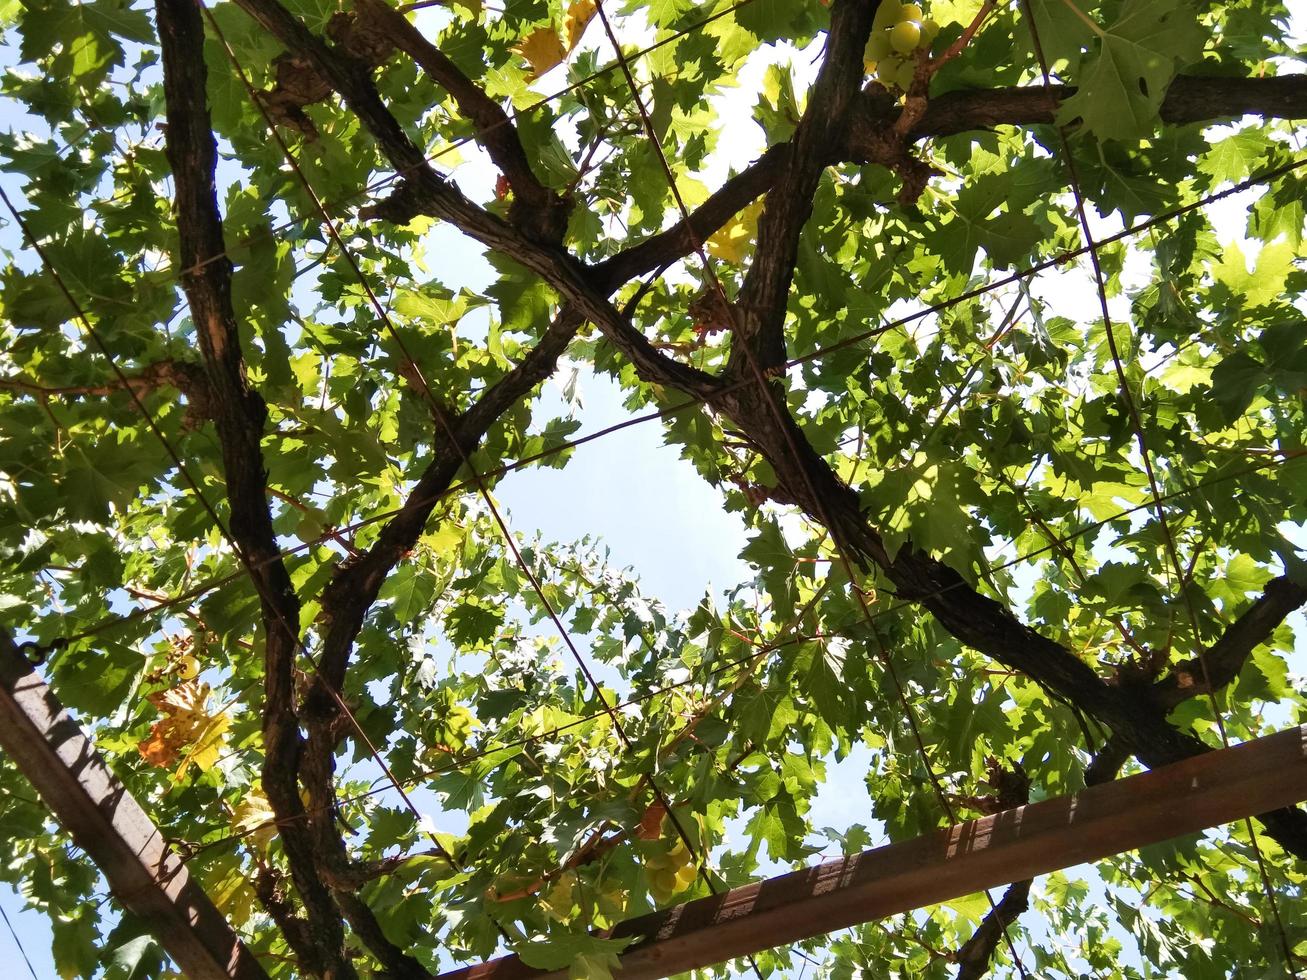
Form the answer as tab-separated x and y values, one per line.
897	34
669	871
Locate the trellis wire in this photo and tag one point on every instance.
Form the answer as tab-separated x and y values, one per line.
662	414
13	933
839	630
511	117
652	135
441	418
955	397
761	381
1168	538
691	402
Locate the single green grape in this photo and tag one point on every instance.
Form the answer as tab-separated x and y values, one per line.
910	11
904	37
685	877
663	881
929	30
308	530
886	14
878	46
887	69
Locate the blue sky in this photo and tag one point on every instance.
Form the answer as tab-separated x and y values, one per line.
652	511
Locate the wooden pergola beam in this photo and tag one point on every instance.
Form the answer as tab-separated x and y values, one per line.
73	780
1189	796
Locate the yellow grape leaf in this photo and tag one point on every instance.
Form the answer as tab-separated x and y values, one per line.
557	901
226	882
972	908
445	539
208	747
733	240
235	898
187	729
253	819
542	49
955	11
579	14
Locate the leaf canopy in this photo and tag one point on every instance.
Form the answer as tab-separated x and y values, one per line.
1020	511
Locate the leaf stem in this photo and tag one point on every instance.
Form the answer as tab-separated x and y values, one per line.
1092	24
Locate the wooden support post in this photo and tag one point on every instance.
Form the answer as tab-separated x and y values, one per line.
72	779
1111	818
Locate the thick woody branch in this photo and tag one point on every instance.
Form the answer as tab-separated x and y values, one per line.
239	415
187	378
355	586
1189	99
977	620
268	890
397	964
1226	657
538	211
1107	762
760	324
1224	660
974	956
1012	789
736	193
873	115
423	191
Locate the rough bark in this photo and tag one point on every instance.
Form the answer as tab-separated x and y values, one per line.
860	131
536	210
874	113
974	956
239	416
1224	659
1190	98
758	341
1107	762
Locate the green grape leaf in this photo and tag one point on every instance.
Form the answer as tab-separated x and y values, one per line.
1121	85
